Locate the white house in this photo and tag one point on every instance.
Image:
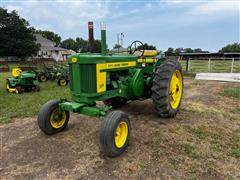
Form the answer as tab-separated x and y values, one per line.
48	49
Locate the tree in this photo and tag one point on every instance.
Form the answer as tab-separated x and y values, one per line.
170	52
198	50
70	44
80	45
50	35
178	51
188	50
147	47
97	44
235	47
16	37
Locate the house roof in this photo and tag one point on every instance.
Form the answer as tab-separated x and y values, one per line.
48	45
43	41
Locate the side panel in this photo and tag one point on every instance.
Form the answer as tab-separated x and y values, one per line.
101	74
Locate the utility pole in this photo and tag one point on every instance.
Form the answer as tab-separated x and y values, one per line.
118	43
122	36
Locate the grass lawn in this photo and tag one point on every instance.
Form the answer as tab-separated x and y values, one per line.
27	104
232	92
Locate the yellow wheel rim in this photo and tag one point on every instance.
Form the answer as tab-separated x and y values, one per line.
121	134
43	78
63	82
176	86
58	118
7	86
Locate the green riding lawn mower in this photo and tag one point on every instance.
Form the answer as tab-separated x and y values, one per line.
21	82
115	79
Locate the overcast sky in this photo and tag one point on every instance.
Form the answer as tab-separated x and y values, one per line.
207	24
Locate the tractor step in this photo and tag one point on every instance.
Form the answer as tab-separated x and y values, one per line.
81	108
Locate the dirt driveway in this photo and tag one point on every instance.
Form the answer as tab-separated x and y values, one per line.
202	142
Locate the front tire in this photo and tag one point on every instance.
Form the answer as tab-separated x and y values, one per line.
62	82
42	78
167	88
51	118
115	133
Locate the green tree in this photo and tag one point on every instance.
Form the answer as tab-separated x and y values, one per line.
16	37
230	48
70	44
50	35
97	44
178	50
170	52
80	45
147	47
188	50
198	50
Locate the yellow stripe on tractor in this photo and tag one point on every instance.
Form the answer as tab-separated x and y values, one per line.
148	60
102	76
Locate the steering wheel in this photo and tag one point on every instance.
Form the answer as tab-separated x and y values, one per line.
133	47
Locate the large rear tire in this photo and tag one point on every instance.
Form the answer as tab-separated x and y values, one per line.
51	118
167	88
115	133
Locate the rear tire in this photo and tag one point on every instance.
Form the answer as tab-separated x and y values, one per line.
19	90
52	119
167	88
115	133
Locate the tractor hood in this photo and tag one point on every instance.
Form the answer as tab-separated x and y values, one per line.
87	58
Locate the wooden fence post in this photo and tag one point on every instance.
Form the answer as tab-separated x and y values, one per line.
209	65
188	65
232	65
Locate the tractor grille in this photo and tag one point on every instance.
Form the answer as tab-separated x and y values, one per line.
88	78
82	78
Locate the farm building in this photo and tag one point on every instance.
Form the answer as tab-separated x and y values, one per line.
48	49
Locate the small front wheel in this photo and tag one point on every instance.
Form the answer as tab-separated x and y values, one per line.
42	78
51	118
62	82
115	133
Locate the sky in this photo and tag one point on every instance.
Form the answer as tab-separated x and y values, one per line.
206	24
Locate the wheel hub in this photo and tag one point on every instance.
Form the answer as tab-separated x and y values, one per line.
176	89
121	134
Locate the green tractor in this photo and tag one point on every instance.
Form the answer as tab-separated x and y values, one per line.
115	79
21	82
63	77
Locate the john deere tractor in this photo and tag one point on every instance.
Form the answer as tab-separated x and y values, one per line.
21	82
115	79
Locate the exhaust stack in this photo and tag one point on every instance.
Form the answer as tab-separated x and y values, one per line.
91	46
103	39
